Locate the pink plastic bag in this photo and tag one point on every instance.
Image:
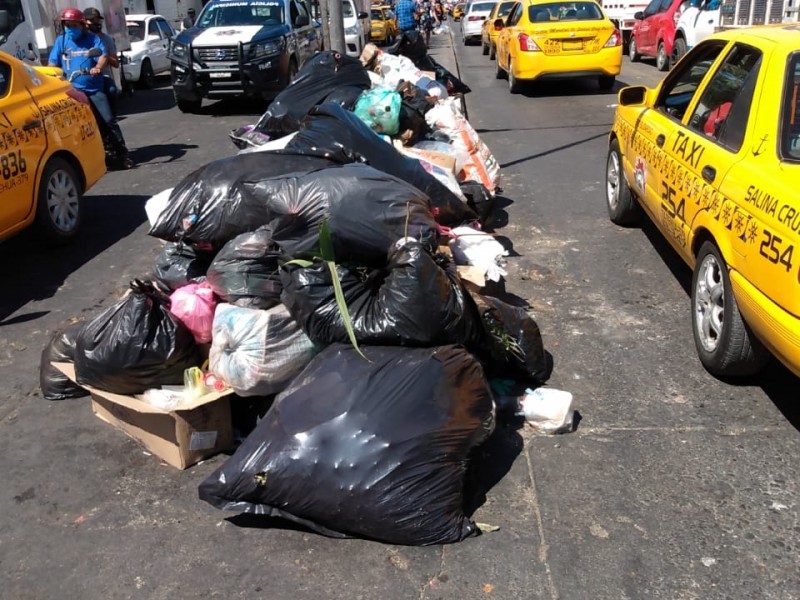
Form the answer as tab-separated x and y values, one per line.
194	305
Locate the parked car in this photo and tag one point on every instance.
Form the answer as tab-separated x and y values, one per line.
458	11
356	28
149	35
541	39
241	47
490	31
472	21
50	154
654	32
712	155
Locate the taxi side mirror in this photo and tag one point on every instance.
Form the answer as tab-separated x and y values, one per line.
499	24
632	96
363	15
638	16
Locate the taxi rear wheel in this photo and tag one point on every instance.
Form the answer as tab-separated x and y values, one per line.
499	73
622	206
484	48
58	208
514	84
724	343
662	60
492	52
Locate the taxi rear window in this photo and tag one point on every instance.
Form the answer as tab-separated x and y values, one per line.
564	11
790	126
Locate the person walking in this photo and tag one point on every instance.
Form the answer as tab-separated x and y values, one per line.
188	20
72	52
407	13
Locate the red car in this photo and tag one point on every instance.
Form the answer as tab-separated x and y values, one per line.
654	32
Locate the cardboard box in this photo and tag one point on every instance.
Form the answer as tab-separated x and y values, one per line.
180	437
473	277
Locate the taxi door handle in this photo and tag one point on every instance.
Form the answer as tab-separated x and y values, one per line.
709	174
660	140
31	125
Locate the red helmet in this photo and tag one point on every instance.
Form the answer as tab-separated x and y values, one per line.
72	14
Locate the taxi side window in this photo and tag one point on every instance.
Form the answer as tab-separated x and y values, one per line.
5	79
724	107
681	84
790	120
516	13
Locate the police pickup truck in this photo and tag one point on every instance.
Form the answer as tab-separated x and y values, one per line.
241	47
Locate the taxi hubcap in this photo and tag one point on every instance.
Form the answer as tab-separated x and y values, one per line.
612	180
62	201
710	303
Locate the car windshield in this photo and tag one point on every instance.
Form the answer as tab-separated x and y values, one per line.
136	30
790	130
482	7
257	12
348	10
376	15
568	11
504	9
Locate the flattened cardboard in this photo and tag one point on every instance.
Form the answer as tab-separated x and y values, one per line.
180	437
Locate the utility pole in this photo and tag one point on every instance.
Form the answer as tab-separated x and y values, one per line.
336	25
324	18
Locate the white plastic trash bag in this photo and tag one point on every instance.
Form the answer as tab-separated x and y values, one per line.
257	352
548	410
479	249
481	165
156	205
270	146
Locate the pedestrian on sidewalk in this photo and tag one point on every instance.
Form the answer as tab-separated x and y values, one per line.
407	12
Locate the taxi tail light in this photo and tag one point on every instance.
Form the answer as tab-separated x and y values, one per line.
498	27
615	40
79	96
526	43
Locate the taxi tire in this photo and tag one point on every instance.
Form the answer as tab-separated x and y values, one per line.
738	353
492	52
484	48
499	73
606	82
633	52
59	174
662	59
514	84
623	209
147	78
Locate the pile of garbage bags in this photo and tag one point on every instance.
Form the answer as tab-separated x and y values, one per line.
322	266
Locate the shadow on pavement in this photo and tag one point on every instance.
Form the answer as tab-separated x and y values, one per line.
591	138
570	87
32	270
169	152
490	462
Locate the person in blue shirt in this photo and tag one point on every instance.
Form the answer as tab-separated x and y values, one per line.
71	53
407	12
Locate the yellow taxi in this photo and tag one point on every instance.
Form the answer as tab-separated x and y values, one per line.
458	11
50	151
542	39
490	31
712	155
382	26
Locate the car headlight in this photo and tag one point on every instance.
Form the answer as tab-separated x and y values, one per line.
178	50
259	49
352	30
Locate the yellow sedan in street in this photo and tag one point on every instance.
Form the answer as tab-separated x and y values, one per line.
712	155
542	39
50	151
490	31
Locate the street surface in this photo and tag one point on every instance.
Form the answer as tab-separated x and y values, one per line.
675	485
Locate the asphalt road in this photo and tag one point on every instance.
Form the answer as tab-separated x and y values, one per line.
675	485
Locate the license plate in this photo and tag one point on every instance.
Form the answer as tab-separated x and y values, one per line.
220	75
572	45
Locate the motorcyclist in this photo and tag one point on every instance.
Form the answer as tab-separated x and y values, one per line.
71	54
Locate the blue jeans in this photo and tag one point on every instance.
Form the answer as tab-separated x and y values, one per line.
103	106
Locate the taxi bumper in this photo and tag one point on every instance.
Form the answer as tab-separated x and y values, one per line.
538	65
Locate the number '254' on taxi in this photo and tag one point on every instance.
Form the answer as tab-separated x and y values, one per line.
712	155
50	151
542	39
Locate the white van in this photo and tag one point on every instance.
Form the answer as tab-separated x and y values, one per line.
355	33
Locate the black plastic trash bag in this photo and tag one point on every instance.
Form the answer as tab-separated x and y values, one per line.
479	199
55	385
135	345
514	346
367	211
246	272
179	264
335	133
377	449
219	201
412	302
322	76
412	46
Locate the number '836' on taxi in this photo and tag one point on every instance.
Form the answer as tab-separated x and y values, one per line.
712	155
